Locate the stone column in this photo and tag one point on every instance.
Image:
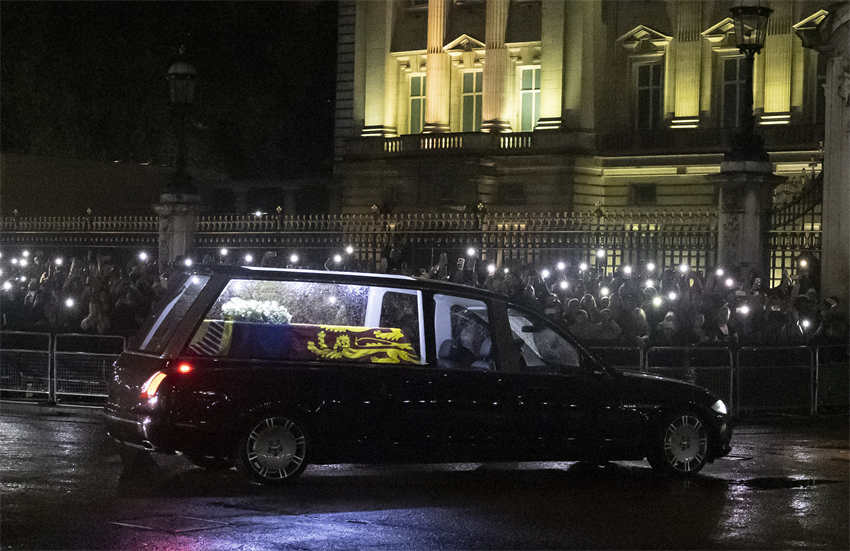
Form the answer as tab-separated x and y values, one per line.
496	63
438	68
178	221
778	52
743	222
831	37
688	61
552	65
377	40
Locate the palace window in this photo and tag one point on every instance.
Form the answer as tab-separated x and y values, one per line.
417	103
529	98
471	101
643	194
734	81
650	95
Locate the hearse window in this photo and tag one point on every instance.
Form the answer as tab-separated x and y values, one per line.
542	350
162	324
311	321
462	333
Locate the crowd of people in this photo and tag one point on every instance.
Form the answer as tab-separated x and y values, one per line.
628	306
648	306
89	293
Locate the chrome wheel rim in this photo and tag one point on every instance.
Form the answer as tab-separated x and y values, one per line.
685	444
276	448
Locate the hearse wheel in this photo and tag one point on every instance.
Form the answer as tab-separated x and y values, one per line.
680	445
273	449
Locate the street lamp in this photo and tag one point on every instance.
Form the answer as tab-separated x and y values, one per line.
181	85
750	19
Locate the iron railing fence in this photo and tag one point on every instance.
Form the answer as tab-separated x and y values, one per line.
795	231
417	239
628	235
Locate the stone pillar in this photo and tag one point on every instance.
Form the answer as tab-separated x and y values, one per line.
178	221
744	206
496	63
831	37
552	66
438	69
391	100
379	16
688	61
778	52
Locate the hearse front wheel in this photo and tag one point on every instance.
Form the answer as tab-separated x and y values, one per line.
680	445
273	449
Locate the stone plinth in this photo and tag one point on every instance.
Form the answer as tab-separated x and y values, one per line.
744	207
178	220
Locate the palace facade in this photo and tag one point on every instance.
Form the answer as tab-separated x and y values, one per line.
562	104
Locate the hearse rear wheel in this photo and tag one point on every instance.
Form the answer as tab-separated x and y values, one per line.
680	445
273	449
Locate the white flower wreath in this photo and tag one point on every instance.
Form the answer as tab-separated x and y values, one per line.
266	311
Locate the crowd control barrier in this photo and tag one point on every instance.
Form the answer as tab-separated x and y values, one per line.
41	366
83	362
25	360
710	367
832	377
776	378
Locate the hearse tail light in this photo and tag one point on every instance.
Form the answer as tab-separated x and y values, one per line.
185	368
152	385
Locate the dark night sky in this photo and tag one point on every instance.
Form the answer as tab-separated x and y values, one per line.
87	81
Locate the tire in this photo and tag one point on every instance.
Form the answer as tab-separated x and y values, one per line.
273	449
210	463
679	445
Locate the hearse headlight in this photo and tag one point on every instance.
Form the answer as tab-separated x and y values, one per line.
719	407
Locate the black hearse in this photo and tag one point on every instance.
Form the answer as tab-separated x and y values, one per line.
272	369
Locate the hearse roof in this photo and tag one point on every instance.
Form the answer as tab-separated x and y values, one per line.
384	279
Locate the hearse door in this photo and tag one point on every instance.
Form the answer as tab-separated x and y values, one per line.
467	414
556	399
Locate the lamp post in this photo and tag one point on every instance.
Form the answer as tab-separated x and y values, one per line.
179	204
746	177
181	84
750	29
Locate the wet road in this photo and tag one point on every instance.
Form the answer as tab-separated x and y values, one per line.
785	486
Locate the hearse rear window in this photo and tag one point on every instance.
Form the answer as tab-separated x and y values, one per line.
160	327
312	321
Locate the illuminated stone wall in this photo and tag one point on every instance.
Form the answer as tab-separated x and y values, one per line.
587	148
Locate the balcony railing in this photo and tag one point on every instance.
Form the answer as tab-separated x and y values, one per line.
688	140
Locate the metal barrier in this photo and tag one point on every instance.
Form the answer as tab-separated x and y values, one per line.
83	362
832	377
776	378
710	367
25	363
620	357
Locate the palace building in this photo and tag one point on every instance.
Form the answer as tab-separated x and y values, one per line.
564	105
